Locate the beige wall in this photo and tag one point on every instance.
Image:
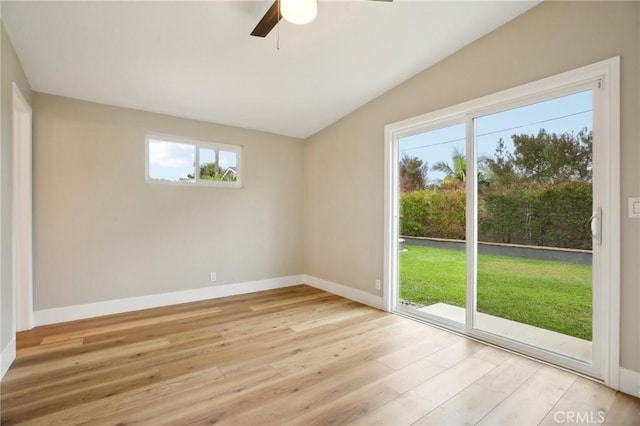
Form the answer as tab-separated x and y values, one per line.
102	233
11	72
344	163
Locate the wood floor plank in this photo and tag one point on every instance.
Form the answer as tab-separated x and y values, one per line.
403	410
303	399
126	400
334	317
478	399
533	400
493	355
378	339
43	349
185	400
585	398
289	301
279	318
422	399
349	408
296	355
80	362
440	388
451	355
625	410
310	340
123	326
413	375
433	342
25	407
104	366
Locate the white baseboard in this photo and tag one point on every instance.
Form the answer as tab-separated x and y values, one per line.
345	291
630	382
7	356
109	307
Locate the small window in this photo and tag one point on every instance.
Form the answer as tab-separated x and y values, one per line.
179	161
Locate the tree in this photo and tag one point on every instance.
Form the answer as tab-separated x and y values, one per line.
455	173
210	171
413	174
544	158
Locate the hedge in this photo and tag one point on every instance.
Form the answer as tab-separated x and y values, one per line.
431	213
538	215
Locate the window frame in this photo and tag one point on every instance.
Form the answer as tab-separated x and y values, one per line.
198	145
606	317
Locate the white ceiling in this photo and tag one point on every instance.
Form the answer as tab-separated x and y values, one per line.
197	60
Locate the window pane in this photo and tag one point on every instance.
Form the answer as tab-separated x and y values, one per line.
229	163
432	176
535	198
218	165
171	161
209	169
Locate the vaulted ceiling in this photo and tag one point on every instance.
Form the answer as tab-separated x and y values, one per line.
197	59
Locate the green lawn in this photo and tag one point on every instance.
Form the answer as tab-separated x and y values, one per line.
547	294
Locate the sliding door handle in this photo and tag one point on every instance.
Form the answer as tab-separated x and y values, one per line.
595	223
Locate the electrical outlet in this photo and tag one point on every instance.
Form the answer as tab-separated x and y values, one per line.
212	277
378	284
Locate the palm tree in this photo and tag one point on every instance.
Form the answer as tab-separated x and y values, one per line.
453	173
457	173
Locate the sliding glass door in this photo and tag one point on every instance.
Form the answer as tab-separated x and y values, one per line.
501	219
534	246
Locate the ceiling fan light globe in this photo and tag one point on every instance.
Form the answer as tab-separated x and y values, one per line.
299	11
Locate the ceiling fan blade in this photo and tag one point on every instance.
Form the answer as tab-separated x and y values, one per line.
271	19
268	21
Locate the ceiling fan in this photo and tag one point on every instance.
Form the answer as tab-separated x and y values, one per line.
294	11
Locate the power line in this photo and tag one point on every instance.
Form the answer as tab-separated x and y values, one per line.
434	144
537	122
498	131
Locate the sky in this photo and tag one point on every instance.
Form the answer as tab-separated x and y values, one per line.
173	161
570	113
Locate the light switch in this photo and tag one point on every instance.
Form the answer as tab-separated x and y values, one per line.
634	208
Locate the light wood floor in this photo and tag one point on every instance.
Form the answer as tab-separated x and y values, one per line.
296	356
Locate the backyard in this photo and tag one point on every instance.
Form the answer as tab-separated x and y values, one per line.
547	294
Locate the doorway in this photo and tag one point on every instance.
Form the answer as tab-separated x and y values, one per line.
22	213
502	219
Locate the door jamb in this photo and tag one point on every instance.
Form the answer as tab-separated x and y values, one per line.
22	242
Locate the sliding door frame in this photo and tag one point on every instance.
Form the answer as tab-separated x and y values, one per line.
593	369
392	207
606	128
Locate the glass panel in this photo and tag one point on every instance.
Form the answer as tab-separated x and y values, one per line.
218	165
229	163
432	174
534	278
171	161
209	169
